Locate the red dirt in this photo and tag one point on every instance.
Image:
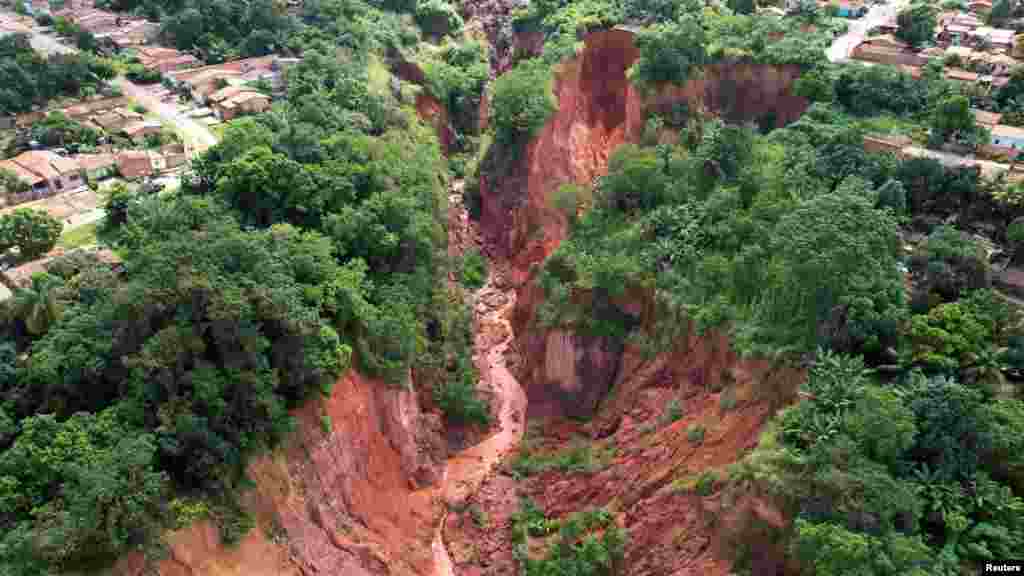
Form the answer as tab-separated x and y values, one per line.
345	502
430	110
672	530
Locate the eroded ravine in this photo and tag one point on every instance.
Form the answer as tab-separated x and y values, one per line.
466	470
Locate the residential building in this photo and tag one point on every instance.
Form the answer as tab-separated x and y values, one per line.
97	166
224	93
116	119
986	119
888	50
247	102
134	164
1009	137
46	172
38	186
138	131
979	7
164	60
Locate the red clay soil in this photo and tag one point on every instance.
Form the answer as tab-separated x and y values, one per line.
598	110
431	111
648	483
356	500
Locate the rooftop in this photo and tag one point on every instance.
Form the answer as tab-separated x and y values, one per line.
25	175
227	92
45	164
244	97
1008	131
95	161
137	127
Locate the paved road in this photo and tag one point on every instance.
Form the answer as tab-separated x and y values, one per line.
196	136
879	14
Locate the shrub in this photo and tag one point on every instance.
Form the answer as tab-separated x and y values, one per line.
706	483
695	434
674	411
437	17
474	269
670	52
458	400
33	232
950	263
325	424
522	101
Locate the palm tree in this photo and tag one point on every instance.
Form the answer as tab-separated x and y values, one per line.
39	304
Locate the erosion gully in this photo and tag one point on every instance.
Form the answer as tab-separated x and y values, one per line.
466	470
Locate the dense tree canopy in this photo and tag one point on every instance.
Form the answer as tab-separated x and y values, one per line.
32	232
27	79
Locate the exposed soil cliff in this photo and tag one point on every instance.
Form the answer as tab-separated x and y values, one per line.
651	464
598	110
354	500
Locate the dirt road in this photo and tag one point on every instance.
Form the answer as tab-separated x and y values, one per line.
197	137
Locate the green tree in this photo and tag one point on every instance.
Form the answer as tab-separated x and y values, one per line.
837	282
33	232
1000	13
916	24
671	52
10	184
39	305
742	6
522	101
953	120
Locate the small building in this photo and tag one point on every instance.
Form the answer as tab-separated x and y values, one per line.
45	172
998	38
850	9
248	102
225	93
38	186
1009	137
979	7
164	60
888	50
97	166
138	131
986	119
116	119
134	164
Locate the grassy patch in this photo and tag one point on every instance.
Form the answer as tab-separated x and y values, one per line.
695	434
582	457
378	76
702	484
79	237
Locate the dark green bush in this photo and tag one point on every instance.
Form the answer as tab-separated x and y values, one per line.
522	101
474	269
670	52
438	17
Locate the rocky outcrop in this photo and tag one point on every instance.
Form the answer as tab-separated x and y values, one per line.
598	110
351	493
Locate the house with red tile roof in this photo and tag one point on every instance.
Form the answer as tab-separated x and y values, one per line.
245	102
45	172
134	164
